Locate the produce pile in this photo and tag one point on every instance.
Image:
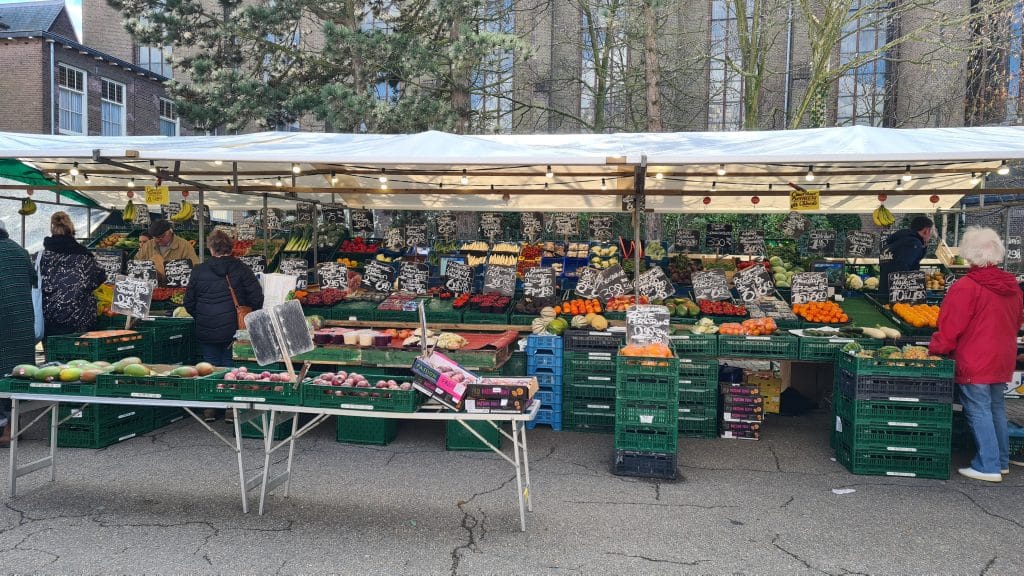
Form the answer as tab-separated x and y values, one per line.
681	269
119	241
324	297
821	312
680	307
721	308
486	303
602	257
653	350
622	303
749	327
918	315
175	295
86	371
578	306
344	379
359	245
783	272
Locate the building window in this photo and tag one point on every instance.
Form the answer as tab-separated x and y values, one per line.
725	82
862	88
168	118
112	117
156	59
71	100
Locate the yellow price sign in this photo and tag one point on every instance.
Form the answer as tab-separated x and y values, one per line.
158	195
805	200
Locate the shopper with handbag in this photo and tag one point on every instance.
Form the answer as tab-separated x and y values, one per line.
222	289
17	341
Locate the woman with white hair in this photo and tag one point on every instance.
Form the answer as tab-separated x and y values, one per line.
978	325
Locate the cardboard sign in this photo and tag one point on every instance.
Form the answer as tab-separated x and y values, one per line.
333	213
587	282
686	241
414	277
566	224
805	200
278	332
394	240
258	264
822	242
907	287
447	226
332	275
647	324
490	225
600	228
362	221
379	277
110	261
753	283
142	269
655	284
613	282
132	296
809	287
297	267
458	277
861	244
415	235
718	237
158	195
305	213
539	283
500	279
752	243
177	273
794	225
532	225
710	285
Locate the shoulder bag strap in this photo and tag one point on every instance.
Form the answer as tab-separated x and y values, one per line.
232	290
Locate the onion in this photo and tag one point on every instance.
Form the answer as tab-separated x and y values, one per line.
230	376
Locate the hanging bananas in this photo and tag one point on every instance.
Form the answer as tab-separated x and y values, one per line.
28	207
128	213
882	217
186	212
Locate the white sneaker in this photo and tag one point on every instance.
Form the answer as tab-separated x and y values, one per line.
1016	462
1004	471
974	474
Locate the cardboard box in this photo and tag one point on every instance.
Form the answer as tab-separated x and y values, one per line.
749	410
746	418
741	435
741	400
497	406
739	389
763	379
771	404
518	387
444	374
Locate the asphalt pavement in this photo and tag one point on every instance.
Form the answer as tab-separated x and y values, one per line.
169	503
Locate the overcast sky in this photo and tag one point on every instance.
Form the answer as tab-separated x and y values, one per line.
74	10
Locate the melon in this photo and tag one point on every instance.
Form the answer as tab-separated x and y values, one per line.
599	323
557	326
136	370
26	371
70	375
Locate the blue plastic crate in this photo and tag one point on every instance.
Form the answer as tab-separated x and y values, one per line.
534	342
533	370
547	417
553	352
534	361
548	380
549	398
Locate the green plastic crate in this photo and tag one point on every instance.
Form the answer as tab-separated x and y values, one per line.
698	402
776	346
441	312
215	389
647	414
884	438
281	431
646	438
110	349
167	387
332	355
695	345
474	317
363	310
355	430
697	373
639	378
398	316
597	387
908	414
363	398
698	427
100	414
825	349
163	416
582	364
171	340
458	438
588	415
62	388
515	365
858	366
873	462
103	435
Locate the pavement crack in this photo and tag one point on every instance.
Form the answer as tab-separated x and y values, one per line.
621	503
280	568
986	511
658	560
989	565
775	455
469	523
287	528
775	542
657	491
788	502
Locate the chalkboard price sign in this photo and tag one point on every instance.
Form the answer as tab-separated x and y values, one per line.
752	242
142	269
600	228
447	226
1014	239
205	213
794	225
111	261
132	296
246	232
258	264
305	213
810	287
632	203
177	273
1014	258
458	277
333	213
861	244
362	221
718	237
141	217
393	240
613	282
654	284
414	277
532	225
687	241
379	277
566	224
490	225
753	283
539	282
500	279
415	235
907	287
297	267
588	282
710	285
333	275
822	242
646	324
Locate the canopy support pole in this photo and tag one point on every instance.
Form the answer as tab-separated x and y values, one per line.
639	185
202	228
266	234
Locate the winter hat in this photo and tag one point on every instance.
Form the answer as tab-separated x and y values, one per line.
158	227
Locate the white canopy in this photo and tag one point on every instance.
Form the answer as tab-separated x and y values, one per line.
589	172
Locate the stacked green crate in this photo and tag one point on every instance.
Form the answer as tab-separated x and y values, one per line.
698	384
646	409
588	380
100	425
171	340
893	417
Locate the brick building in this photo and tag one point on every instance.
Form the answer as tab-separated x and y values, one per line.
53	84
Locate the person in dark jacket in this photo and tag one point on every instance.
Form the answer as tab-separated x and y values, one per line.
903	250
978	325
208	300
17	332
70	274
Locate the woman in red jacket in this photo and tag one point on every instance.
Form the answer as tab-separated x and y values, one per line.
978	326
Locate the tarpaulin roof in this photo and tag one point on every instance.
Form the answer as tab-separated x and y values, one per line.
588	172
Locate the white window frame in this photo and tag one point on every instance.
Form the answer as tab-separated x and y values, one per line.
84	92
123	105
175	119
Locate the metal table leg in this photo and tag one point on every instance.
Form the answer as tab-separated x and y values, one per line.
243	486
268	440
17	430
526	468
519	473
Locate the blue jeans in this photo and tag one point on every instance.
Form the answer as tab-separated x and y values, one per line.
217	354
985	410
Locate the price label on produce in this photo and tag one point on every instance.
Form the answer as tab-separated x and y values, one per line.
379	277
647	324
110	261
132	296
393	240
539	282
587	282
500	279
753	283
415	235
414	277
600	227
532	224
333	213
752	243
142	269
297	267
490	225
794	225
822	242
447	226
686	241
458	277
907	287
177	273
332	275
258	264
305	213
654	284
613	282
718	237
861	244
362	221
809	287
566	224
710	285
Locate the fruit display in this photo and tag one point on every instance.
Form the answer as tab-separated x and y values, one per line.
704	326
348	262
343	379
398	302
529	257
256	381
680	307
118	241
488	303
185	213
681	269
128	212
474	260
241	248
655	251
324	297
383	259
359	245
721	308
331	235
300	239
506	247
783	272
531	305
476	246
934	281
553	250
577	250
602	257
855	282
821	312
654	350
908	352
622	303
503	259
750	327
882	217
546	325
28	207
578	306
629	266
918	315
86	371
176	295
591	321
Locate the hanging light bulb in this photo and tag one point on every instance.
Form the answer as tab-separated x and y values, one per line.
907	176
131	183
828	185
279	182
899	185
550	173
218	162
383	185
334	177
810	174
74	169
721	169
383	176
1004	169
296	169
152	167
974	179
658	176
87	179
604	185
465	178
714	187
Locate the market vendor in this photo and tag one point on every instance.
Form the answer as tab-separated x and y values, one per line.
903	250
164	246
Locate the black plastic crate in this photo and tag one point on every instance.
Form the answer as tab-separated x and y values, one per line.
895	389
645	464
588	341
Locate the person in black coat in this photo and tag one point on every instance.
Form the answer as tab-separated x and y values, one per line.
903	251
209	301
70	275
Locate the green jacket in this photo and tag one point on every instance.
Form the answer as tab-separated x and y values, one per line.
17	328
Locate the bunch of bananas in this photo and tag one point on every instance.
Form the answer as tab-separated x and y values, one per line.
185	214
128	213
28	207
882	217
